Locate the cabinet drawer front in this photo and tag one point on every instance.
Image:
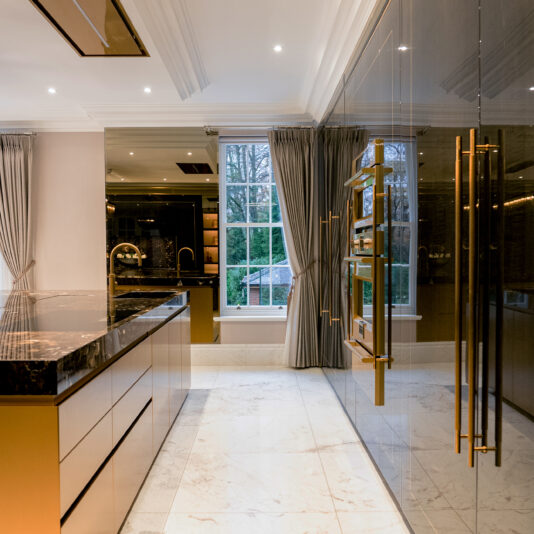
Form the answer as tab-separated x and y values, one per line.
82	411
80	465
94	513
126	370
130	464
130	405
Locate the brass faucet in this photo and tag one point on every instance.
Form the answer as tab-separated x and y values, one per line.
178	259
111	268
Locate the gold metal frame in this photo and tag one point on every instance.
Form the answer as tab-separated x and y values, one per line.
367	341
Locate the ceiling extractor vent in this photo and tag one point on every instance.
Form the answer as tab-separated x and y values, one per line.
195	168
93	27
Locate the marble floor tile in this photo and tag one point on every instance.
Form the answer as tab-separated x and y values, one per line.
330	425
389	522
354	482
246	483
258	376
504	521
204	376
144	523
253	523
441	521
255	434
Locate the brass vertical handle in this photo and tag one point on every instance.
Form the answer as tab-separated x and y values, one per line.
458	300
390	276
330	285
499	298
472	319
321	263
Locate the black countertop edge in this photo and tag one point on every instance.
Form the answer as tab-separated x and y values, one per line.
50	381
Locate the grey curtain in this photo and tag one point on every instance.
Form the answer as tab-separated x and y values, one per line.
337	148
15	209
294	157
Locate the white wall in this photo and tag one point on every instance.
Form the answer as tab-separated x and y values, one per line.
249	330
68	206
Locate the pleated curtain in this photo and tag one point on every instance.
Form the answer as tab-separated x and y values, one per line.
338	147
294	157
15	207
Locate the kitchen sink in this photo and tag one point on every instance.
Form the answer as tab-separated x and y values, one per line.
146	295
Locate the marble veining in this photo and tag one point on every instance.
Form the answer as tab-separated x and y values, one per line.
50	340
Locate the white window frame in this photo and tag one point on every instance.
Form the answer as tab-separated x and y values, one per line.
245	310
411	169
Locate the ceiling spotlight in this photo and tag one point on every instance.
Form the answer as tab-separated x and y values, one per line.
420	153
147	90
277	48
122	179
530	88
52	90
190	153
131	153
520	177
402	48
207	179
164	179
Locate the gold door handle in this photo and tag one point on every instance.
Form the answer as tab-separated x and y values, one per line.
458	297
321	262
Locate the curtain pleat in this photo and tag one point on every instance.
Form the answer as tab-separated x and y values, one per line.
294	157
338	147
15	207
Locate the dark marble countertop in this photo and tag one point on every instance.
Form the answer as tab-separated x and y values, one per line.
51	341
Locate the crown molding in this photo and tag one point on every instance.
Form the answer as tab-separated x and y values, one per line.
347	29
51	125
170	29
199	115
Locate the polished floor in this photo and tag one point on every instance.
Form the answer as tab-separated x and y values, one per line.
262	450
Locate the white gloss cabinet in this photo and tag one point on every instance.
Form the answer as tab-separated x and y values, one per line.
160	381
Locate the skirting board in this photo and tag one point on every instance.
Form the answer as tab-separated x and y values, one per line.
238	354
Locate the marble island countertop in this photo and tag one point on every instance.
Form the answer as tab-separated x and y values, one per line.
51	341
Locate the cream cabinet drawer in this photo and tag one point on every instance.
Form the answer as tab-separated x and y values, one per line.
94	514
130	405
131	462
126	370
81	411
78	467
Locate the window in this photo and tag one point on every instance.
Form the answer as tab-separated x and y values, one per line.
400	156
255	273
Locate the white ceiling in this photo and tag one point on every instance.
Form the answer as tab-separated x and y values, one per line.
211	63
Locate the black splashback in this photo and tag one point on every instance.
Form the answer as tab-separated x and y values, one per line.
159	225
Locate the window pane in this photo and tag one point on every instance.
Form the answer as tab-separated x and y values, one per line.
281	285
236	163
259	246
400	284
276	215
236	204
236	287
258	163
259	286
279	249
236	246
258	206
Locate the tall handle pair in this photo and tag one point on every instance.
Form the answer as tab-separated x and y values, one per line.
480	248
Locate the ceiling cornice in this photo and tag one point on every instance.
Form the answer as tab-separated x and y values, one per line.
170	29
198	115
351	19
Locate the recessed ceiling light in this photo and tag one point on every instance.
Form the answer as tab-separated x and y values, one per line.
190	153
520	177
402	48
531	88
420	153
122	179
277	48
147	90
207	179
164	179
131	153
52	90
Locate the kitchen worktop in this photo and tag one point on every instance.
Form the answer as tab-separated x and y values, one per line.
52	342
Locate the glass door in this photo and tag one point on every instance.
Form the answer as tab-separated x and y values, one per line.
506	476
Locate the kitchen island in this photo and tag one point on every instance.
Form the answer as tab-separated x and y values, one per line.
89	387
